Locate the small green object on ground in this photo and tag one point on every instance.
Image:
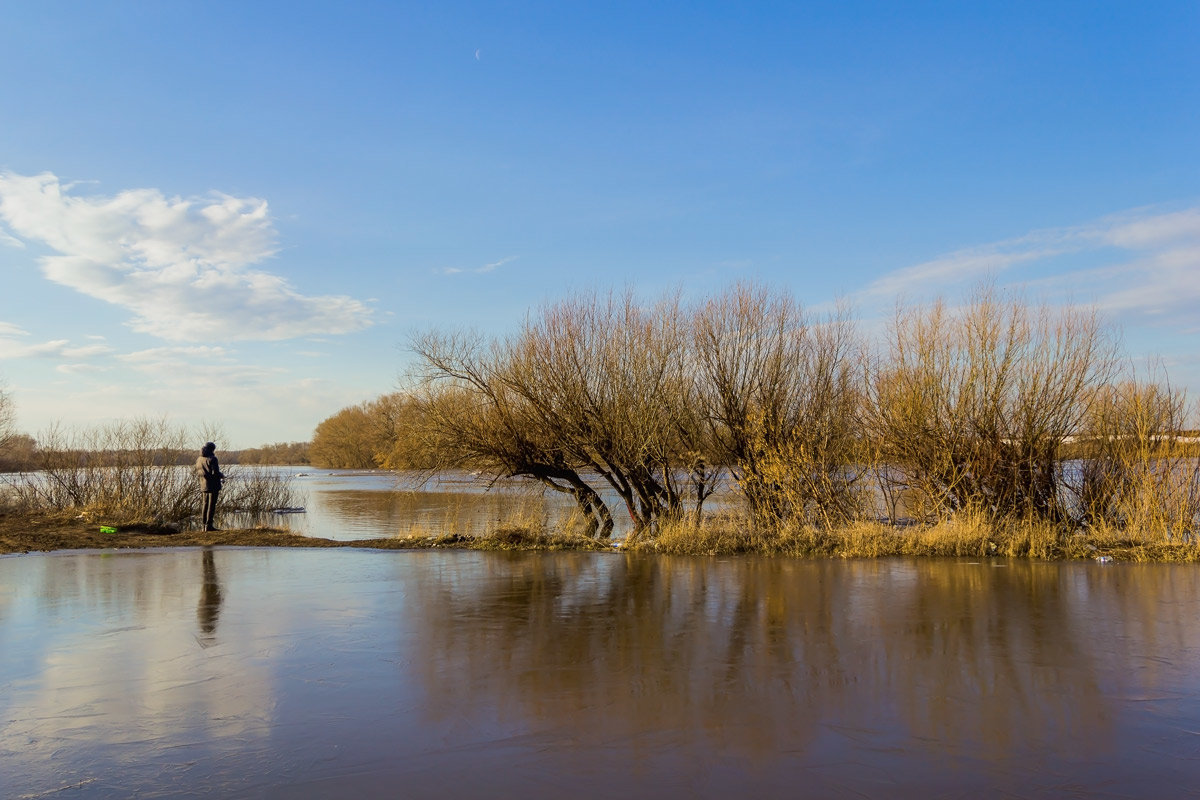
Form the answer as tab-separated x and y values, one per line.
107	529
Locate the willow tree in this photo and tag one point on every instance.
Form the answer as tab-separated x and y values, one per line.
591	394
971	407
470	415
603	372
1138	471
780	391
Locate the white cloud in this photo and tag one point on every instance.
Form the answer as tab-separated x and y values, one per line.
87	351
7	329
486	268
158	355
56	348
181	266
14	349
495	264
198	368
1155	231
76	369
1137	264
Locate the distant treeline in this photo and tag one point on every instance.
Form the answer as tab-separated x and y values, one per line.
371	435
21	453
280	453
997	407
16	452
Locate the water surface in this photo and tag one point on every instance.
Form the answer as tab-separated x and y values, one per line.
298	673
370	504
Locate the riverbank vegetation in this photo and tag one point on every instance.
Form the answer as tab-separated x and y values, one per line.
131	472
739	423
994	427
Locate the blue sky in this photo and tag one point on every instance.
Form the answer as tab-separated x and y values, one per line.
237	212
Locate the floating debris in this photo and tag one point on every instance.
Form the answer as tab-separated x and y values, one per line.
295	510
1104	559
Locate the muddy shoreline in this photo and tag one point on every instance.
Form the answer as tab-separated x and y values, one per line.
20	534
26	535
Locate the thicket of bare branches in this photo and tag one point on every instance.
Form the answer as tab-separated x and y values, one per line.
999	408
1137	468
587	394
136	470
970	408
779	394
601	394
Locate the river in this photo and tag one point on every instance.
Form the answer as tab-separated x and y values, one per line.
350	673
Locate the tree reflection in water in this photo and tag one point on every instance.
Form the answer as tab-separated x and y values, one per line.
541	674
984	661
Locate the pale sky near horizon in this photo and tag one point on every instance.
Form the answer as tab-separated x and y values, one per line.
237	212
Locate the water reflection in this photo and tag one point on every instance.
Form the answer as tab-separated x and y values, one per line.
209	608
741	656
483	674
348	505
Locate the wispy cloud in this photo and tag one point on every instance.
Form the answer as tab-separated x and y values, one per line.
199	368
486	268
9	330
159	355
79	369
495	264
1139	263
13	347
180	265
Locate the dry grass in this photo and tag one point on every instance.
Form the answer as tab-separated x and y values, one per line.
972	537
507	538
969	534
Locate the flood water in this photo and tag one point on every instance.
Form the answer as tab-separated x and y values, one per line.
358	504
353	673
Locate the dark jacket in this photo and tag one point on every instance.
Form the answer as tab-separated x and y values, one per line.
209	470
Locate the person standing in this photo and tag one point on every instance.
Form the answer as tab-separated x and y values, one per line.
208	469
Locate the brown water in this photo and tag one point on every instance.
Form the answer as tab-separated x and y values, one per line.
298	674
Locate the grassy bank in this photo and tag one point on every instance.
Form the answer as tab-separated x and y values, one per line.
966	536
963	538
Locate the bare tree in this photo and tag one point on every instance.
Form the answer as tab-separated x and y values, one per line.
601	372
781	395
8	416
1138	472
471	415
973	407
654	400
